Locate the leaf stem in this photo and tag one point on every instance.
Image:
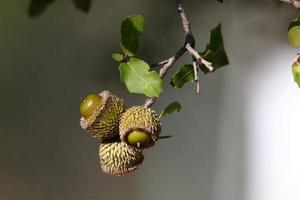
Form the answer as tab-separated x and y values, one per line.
164	137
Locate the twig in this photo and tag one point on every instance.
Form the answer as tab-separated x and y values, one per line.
171	61
188	45
196	69
198	58
162	72
295	3
184	20
159	64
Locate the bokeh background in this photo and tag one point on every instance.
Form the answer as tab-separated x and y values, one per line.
237	140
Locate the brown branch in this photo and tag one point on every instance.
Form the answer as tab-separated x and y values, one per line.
295	3
184	20
162	72
188	46
198	58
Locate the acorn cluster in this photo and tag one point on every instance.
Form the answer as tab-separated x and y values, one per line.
124	133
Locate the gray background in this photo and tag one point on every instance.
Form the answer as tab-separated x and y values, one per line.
47	64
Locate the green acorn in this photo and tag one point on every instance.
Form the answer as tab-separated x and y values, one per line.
101	114
118	158
139	127
294	32
296	72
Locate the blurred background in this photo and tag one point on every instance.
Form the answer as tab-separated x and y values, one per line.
237	140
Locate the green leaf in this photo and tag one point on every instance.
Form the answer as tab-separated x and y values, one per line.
83	5
131	29
215	51
117	57
184	75
294	32
172	107
296	72
138	79
36	7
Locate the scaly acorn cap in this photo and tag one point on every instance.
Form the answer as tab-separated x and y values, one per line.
118	158
138	119
104	121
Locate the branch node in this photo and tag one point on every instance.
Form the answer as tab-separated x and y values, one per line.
168	63
198	58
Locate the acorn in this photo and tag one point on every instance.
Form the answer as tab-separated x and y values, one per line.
139	127
294	32
119	158
296	72
101	114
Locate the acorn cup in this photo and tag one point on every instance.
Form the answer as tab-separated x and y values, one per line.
139	127
101	115
119	158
